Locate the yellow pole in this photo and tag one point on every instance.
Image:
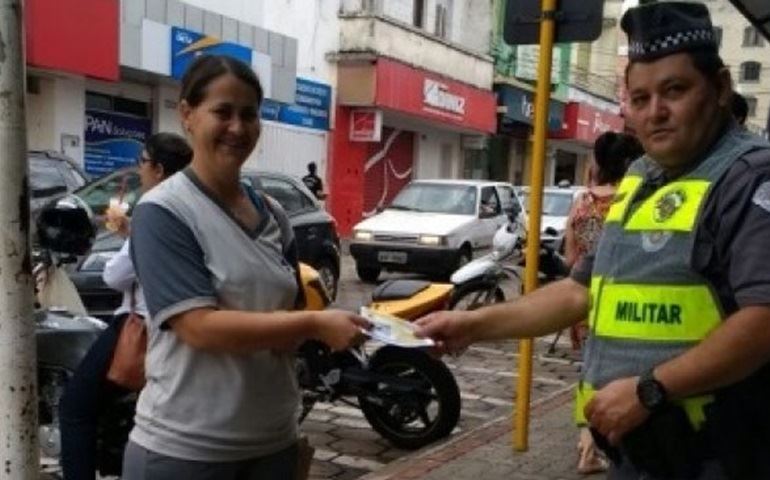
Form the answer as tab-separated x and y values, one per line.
547	28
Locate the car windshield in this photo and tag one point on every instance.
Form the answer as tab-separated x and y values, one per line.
555	204
436	198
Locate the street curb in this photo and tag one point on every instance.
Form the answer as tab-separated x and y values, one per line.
417	465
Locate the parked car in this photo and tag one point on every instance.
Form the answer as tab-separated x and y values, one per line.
51	175
557	203
314	228
432	227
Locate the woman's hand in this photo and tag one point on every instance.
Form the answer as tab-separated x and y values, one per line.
339	329
117	221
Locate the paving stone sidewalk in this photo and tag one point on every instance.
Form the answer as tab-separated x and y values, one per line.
486	452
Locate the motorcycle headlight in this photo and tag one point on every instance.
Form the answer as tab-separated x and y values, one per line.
431	240
364	235
96	261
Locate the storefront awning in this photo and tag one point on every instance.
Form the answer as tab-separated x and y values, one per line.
757	12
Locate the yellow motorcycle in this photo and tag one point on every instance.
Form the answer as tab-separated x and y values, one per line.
406	395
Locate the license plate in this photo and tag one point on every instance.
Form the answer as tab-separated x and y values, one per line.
392	257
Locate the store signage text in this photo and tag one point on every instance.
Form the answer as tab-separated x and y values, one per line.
113	140
436	94
310	109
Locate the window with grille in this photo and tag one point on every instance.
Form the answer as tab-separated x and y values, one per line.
750	71
418	14
441	21
752	37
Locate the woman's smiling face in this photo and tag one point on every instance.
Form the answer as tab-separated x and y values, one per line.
224	126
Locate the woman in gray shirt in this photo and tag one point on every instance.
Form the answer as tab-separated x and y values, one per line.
219	275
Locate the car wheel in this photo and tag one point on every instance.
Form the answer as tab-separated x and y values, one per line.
329	277
464	256
368	274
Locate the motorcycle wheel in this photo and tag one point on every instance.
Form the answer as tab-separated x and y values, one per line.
417	417
475	295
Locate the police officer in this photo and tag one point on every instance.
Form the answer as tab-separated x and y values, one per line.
678	292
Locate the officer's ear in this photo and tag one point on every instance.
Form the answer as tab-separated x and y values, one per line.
724	84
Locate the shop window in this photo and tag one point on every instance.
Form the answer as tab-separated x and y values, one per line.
566	167
476	164
98	101
750	72
132	107
108	103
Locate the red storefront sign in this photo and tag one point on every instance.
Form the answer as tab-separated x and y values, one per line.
75	36
428	95
585	123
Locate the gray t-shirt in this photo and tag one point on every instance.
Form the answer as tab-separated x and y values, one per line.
189	253
732	240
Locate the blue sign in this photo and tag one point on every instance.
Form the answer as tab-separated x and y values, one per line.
113	140
186	45
310	108
520	106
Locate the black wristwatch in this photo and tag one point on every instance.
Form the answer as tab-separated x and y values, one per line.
652	394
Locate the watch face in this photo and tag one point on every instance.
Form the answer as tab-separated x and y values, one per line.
651	394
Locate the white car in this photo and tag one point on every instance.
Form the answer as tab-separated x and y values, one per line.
432	227
557	203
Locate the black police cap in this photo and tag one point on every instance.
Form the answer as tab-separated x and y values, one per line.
656	30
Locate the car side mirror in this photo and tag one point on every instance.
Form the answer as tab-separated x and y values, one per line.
65	227
551	232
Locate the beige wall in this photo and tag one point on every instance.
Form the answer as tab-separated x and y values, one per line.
387	38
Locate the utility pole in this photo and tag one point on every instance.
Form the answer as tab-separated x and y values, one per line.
19	449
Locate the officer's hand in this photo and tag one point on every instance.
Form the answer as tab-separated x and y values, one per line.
615	409
339	329
451	330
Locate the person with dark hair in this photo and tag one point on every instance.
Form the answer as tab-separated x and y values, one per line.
676	380
739	108
613	153
313	182
218	263
88	391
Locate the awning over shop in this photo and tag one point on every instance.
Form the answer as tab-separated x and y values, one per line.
757	12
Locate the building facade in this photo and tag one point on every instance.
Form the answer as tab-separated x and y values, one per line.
103	75
414	98
747	54
583	101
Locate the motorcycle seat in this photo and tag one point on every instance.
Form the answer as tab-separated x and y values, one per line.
398	289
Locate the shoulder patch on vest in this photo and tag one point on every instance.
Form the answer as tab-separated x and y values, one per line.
668	204
761	196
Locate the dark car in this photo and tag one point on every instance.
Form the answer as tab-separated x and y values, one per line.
51	175
314	228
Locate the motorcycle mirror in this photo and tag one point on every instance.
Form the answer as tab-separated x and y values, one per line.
65	226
